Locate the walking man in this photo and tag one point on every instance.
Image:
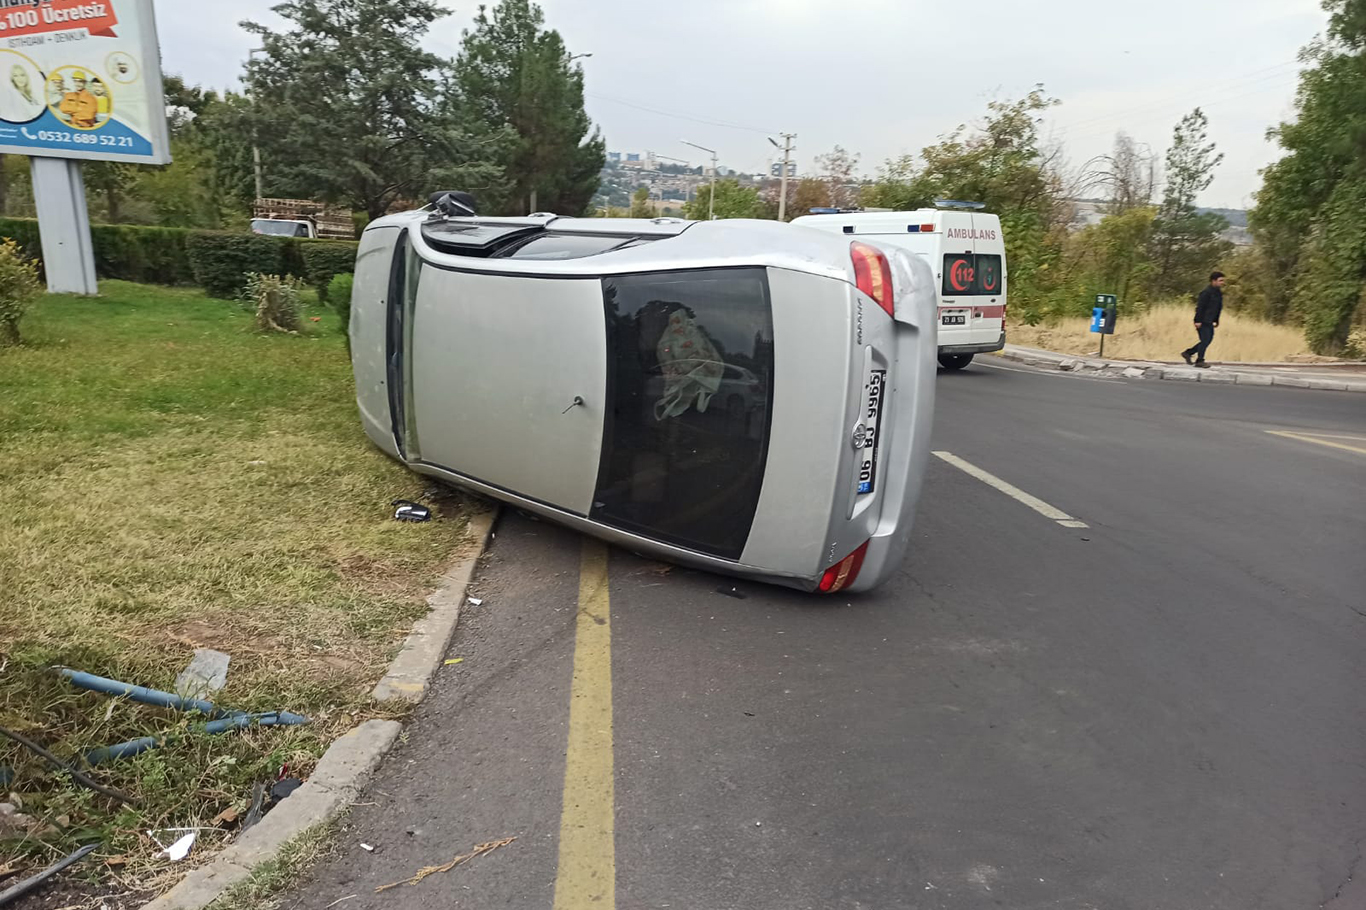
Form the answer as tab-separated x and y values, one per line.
1207	310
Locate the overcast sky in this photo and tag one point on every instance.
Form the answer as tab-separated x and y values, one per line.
882	77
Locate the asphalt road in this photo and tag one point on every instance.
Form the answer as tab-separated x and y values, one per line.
1163	709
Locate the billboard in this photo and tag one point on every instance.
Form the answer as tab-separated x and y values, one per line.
81	79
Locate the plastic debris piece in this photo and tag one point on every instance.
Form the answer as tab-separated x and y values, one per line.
206	674
367	848
181	848
455	660
475	601
283	787
407	510
732	592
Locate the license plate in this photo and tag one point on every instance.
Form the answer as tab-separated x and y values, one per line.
872	417
954	319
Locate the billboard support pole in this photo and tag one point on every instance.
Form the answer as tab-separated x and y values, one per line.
64	225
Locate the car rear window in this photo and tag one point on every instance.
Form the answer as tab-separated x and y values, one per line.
556	245
471	238
690	388
971	274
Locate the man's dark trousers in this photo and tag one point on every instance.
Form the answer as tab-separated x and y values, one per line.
1206	333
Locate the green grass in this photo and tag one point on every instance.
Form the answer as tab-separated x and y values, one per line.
172	479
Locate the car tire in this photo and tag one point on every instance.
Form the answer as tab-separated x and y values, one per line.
954	361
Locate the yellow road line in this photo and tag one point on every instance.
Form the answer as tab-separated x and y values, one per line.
1304	437
588	870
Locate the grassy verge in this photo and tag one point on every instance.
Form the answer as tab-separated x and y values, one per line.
172	480
1162	333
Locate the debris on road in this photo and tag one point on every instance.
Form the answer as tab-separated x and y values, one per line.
481	850
455	660
407	510
475	601
367	848
732	592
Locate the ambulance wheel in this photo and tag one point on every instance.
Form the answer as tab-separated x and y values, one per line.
954	361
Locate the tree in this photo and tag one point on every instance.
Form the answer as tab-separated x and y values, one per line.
732	201
1112	256
1130	179
1002	164
842	187
347	107
516	74
1310	218
809	194
640	203
1185	242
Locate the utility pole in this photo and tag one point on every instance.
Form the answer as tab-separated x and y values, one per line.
787	148
711	202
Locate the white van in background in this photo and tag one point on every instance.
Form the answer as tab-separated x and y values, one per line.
967	253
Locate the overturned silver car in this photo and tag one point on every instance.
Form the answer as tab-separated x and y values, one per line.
747	397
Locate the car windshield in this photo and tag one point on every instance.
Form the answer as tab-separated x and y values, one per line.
279	228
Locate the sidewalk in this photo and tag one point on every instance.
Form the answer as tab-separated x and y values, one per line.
1329	377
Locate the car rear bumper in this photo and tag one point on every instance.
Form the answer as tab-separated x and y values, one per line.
979	347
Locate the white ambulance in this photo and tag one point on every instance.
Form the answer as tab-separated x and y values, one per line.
967	253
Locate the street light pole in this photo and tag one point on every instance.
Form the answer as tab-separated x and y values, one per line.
256	149
787	154
711	202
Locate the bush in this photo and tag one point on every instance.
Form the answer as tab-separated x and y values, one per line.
339	298
275	300
323	259
150	255
19	287
222	261
24	232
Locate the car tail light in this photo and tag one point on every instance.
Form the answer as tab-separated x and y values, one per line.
842	574
873	274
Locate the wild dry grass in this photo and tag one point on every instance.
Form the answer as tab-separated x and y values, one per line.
1162	333
172	480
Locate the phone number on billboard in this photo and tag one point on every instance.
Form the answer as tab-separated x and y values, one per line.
84	139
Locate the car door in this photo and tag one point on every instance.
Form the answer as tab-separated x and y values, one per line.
508	381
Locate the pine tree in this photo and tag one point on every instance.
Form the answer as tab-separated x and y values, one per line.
516	74
1185	242
346	106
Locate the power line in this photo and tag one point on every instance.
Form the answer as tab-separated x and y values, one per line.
1183	97
1207	104
677	115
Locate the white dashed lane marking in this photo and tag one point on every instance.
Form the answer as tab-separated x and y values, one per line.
1014	492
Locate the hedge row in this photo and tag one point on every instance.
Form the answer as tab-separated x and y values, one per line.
218	261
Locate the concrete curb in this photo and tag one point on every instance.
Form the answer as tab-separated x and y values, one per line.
412	669
348	763
1137	370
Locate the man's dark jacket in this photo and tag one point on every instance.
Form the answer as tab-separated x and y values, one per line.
1209	305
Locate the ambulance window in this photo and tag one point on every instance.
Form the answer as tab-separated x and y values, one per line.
959	274
971	275
689	387
988	278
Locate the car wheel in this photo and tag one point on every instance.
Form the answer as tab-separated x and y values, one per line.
954	361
